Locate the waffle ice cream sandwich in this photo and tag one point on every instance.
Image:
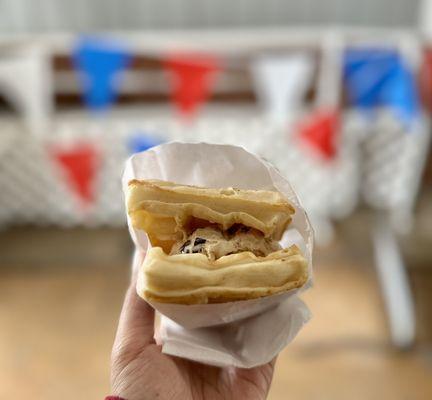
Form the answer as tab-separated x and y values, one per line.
213	245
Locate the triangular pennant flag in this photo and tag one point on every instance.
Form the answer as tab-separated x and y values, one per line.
426	79
25	81
79	163
401	93
192	77
281	84
140	141
100	62
381	78
320	131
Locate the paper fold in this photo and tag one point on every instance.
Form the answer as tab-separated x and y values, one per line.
234	333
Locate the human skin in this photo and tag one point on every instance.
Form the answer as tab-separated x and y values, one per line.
140	371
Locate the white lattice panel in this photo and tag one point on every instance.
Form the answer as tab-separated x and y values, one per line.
393	163
33	191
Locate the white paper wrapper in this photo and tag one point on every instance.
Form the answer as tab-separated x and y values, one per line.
242	333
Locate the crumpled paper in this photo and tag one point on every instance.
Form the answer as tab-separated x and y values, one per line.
242	333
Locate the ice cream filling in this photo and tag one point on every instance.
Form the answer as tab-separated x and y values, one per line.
215	243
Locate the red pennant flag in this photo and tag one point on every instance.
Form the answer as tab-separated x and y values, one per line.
425	78
319	131
192	80
79	163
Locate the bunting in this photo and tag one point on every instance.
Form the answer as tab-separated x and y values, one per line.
381	78
281	84
141	141
319	131
100	63
79	163
25	81
192	77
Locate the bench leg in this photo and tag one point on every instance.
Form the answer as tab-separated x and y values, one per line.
394	283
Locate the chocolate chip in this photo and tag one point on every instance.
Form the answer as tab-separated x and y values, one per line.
199	241
197	249
232	229
237	228
185	244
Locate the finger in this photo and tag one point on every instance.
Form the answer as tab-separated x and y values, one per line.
137	260
261	375
136	322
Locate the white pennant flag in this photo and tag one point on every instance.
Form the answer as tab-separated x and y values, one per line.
26	82
281	83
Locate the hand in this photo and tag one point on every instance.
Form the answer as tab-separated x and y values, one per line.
140	371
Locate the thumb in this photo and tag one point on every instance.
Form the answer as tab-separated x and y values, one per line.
136	324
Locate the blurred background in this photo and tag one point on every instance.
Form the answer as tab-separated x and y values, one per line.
336	94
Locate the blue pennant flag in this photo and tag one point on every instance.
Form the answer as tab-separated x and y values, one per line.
381	78
100	61
140	141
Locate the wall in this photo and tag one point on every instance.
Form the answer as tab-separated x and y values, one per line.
17	16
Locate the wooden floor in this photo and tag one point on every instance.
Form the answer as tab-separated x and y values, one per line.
61	292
